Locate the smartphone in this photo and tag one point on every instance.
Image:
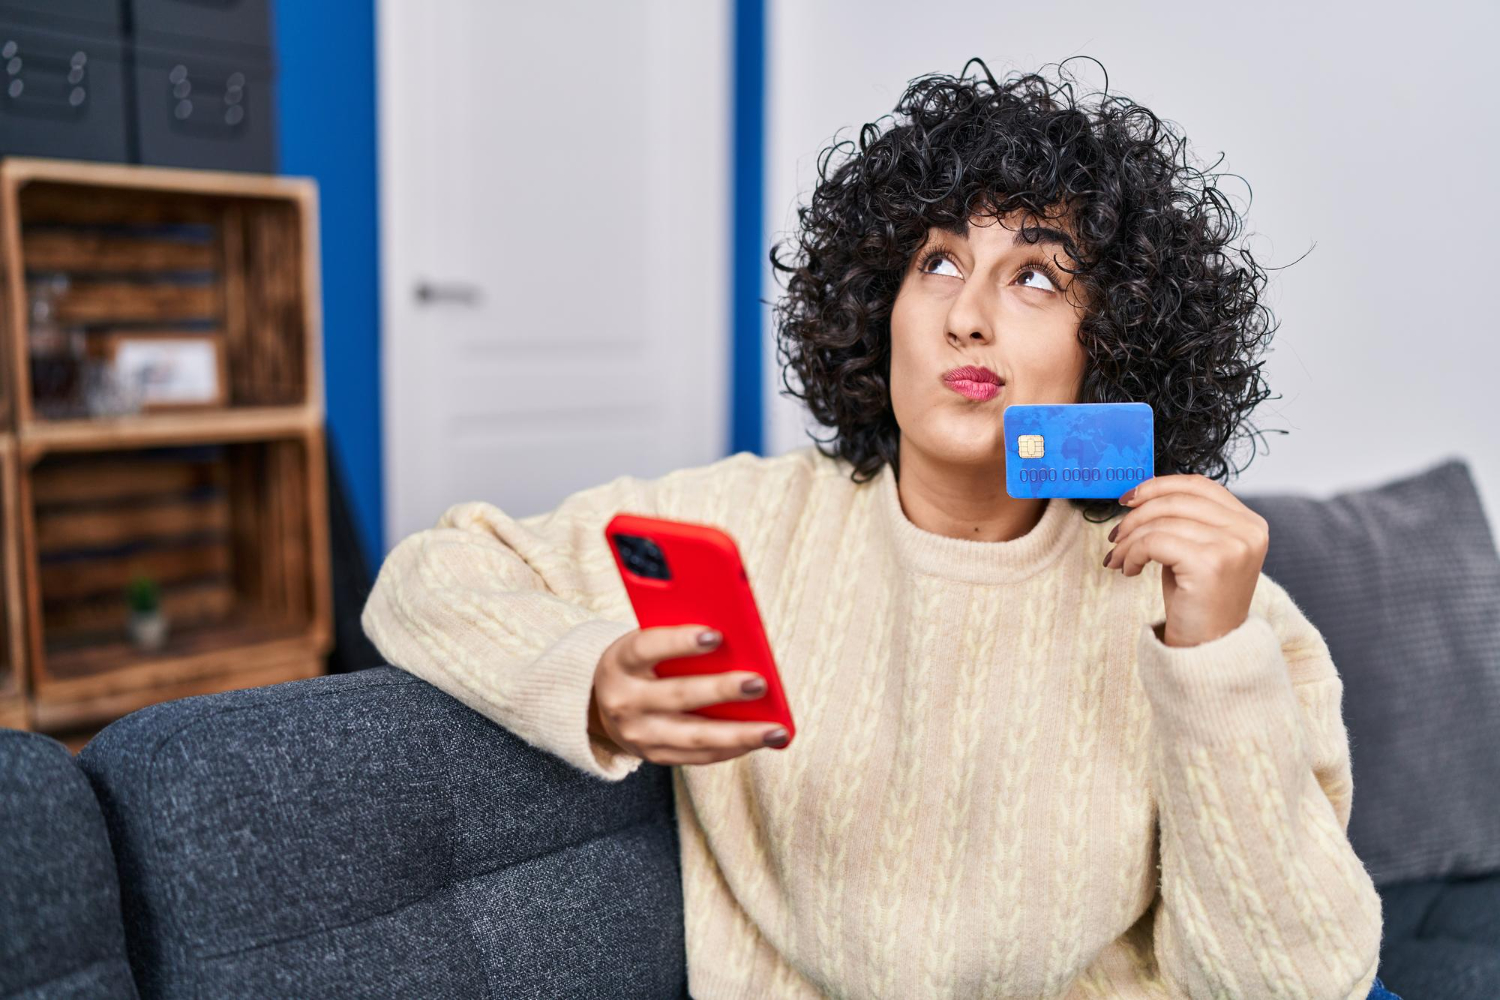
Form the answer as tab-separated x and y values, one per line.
678	573
1086	450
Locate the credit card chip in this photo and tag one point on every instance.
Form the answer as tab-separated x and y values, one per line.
1030	445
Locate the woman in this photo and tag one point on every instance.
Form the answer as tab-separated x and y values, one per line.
1044	749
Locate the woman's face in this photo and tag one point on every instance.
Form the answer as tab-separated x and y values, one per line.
987	300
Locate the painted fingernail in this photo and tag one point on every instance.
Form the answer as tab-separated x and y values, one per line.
1107	555
776	737
1129	496
754	685
1113	532
709	638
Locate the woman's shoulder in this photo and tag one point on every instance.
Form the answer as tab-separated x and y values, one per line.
730	489
749	470
749	485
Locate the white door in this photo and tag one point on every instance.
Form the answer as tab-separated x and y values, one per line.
555	208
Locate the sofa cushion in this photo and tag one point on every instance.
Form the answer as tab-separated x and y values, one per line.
1403	581
1442	938
60	931
366	834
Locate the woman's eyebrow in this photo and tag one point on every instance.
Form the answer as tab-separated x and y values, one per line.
1043	234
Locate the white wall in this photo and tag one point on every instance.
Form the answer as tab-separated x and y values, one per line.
1368	134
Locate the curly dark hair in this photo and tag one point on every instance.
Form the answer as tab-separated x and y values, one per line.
1171	320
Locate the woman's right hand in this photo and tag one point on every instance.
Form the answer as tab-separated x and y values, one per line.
648	716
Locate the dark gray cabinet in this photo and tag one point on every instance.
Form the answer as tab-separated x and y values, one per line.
63	95
186	83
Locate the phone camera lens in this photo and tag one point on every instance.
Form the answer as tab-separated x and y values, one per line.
642	556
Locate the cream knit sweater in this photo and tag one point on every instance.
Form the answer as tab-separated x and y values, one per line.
1003	783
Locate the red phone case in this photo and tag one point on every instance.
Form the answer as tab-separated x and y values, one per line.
707	586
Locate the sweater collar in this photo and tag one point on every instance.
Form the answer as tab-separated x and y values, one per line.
972	561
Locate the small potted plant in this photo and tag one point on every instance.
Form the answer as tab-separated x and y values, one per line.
148	625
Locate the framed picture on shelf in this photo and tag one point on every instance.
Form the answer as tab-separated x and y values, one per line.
168	369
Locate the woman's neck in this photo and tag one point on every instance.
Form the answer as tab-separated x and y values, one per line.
962	500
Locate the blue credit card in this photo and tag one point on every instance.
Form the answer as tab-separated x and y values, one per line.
1083	450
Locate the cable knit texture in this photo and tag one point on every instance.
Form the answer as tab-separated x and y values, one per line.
1003	783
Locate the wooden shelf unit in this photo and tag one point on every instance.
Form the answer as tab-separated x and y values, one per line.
229	255
225	507
13	714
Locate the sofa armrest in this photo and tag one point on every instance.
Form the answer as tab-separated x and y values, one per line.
364	833
60	930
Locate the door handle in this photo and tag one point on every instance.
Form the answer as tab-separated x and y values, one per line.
457	293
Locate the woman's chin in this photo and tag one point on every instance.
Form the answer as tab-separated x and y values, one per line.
967	446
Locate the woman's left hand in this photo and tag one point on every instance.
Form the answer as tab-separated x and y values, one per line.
1211	548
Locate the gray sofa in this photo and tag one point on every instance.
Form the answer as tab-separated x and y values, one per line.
366	835
351	835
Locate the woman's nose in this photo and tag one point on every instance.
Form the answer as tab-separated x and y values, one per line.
975	335
969	316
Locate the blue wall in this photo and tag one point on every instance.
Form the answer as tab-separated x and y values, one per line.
326	102
747	412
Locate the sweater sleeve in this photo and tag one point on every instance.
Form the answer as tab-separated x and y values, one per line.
510	616
1261	892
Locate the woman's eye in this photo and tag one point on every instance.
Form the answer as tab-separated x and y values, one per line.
933	262
1038	273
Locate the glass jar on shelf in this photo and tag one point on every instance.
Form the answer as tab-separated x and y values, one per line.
56	351
106	393
68	380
